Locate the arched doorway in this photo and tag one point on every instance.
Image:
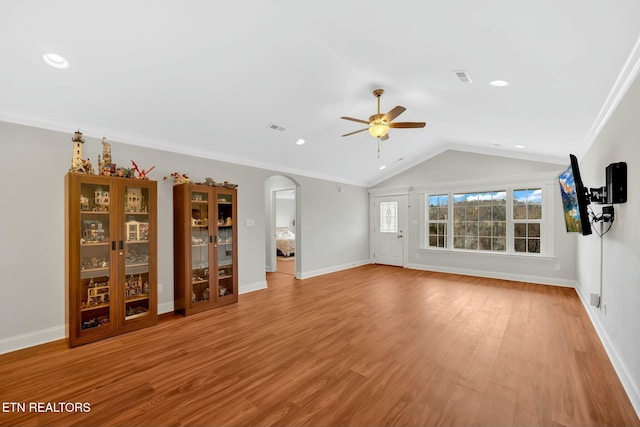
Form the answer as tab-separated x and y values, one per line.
273	186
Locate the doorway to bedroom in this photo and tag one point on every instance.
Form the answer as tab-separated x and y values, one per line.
285	231
283	226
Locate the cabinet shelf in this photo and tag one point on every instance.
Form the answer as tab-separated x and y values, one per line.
136	316
95	307
137	298
94	212
225	276
129	242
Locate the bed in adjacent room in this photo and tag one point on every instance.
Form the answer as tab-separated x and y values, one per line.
285	241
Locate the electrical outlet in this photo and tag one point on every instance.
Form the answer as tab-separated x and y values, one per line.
160	288
595	300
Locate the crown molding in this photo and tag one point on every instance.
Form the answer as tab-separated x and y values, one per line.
626	77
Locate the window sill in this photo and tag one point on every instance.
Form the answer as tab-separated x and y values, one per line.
489	254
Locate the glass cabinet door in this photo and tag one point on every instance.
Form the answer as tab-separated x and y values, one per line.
135	249
95	256
226	224
200	289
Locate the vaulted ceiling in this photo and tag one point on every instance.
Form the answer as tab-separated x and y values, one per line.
213	78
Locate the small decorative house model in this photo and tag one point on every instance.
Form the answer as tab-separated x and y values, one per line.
134	200
137	230
101	199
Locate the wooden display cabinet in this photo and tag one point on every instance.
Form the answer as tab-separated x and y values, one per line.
111	256
205	251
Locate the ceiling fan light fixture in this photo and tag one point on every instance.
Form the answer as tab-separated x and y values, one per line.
378	130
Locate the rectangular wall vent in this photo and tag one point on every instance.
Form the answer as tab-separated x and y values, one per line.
463	76
276	127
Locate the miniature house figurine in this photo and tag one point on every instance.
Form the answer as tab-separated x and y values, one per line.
101	199
76	159
137	230
133	202
84	203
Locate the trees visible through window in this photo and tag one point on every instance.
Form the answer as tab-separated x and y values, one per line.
527	218
438	219
479	221
507	221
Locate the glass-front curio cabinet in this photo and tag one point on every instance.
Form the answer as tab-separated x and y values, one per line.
205	253
110	256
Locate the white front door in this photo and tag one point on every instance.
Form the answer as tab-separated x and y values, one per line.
388	229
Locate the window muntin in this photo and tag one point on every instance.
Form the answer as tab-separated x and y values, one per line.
438	220
527	219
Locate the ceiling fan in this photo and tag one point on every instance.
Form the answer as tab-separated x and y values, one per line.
379	124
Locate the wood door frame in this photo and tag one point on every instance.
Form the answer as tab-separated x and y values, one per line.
375	194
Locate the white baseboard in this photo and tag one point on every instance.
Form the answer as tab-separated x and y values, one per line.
333	269
630	387
44	336
30	339
496	275
252	287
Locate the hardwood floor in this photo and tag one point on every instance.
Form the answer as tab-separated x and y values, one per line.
369	346
286	265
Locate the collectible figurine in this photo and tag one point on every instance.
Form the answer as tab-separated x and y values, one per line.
105	166
178	178
142	174
76	159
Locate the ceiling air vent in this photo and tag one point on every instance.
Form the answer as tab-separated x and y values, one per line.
276	127
463	76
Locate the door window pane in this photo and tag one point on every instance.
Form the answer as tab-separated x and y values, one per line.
388	217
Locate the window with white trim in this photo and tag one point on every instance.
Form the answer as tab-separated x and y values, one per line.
438	220
527	219
388	217
508	220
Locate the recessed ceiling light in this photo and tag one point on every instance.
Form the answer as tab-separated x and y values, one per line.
300	141
519	146
499	83
382	167
56	61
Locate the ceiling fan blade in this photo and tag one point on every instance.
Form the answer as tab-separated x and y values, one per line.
357	131
385	137
355	120
407	125
393	113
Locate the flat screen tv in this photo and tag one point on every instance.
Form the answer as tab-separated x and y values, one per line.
574	199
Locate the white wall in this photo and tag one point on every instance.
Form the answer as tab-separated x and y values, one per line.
470	171
34	162
619	324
